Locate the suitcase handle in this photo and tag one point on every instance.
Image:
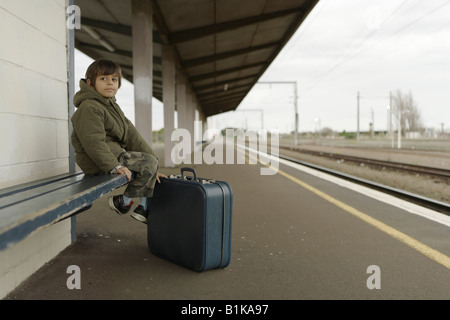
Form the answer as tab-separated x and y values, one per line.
190	170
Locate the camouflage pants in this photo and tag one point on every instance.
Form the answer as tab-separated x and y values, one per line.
145	169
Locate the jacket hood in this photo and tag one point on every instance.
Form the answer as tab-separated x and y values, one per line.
86	92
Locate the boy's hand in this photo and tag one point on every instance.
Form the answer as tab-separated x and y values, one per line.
160	175
125	171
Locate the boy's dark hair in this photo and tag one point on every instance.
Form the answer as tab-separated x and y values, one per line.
103	67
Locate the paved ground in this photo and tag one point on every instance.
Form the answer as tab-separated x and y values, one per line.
288	244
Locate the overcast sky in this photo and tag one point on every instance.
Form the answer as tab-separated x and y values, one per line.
345	46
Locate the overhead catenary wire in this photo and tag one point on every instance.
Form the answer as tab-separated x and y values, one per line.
349	56
343	58
393	49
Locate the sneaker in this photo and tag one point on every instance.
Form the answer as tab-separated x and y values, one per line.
140	214
115	202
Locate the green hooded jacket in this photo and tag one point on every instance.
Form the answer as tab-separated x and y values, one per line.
101	132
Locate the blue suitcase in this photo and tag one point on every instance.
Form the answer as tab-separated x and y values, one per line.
189	221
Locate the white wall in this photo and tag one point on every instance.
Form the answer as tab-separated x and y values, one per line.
26	257
33	90
33	119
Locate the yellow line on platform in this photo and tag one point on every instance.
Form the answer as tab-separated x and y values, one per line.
402	237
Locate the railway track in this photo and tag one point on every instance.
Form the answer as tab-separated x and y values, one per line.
432	204
411	168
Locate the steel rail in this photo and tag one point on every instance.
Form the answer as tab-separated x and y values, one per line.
432	204
438	172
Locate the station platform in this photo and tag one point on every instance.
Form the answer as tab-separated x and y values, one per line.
297	235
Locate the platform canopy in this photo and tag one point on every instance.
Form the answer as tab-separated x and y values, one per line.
222	47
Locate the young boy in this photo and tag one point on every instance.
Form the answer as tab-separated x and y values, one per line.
105	141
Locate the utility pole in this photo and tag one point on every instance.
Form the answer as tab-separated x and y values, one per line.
261	112
357	117
372	125
391	132
296	114
399	128
295	103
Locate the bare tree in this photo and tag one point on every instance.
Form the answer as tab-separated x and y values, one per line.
325	132
405	108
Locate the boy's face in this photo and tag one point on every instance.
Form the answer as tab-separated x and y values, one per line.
106	85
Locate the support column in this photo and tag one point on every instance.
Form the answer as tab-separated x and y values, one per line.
71	92
142	29
181	102
189	118
202	118
192	119
168	79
